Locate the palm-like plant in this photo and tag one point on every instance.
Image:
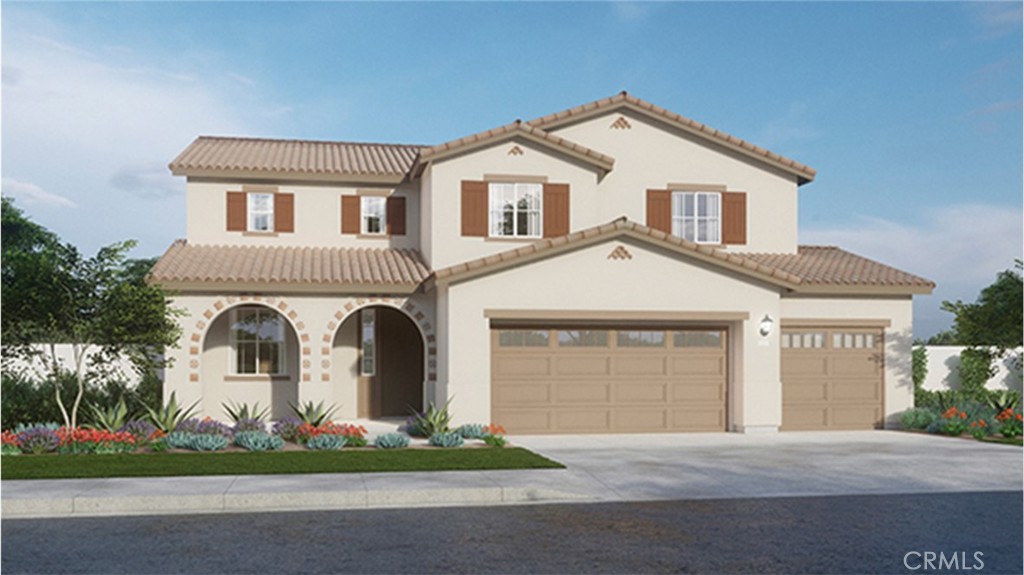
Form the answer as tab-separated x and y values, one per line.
168	417
314	414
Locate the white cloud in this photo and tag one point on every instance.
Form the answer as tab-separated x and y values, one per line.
997	18
792	126
960	247
32	194
147	182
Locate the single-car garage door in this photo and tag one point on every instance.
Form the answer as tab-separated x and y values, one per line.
608	379
832	378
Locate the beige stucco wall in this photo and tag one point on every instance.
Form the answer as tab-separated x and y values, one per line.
317	217
651	154
899	385
448	247
320	365
653	280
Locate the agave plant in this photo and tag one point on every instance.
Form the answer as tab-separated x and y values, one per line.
109	419
168	417
314	414
433	420
1003	400
239	412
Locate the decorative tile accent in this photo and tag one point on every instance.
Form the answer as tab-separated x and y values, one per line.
307	377
306	351
325	377
515	151
207	314
194	377
196	337
305	337
620	253
621	124
300	325
194	364
325	351
194	350
306	364
326	364
219	305
292	315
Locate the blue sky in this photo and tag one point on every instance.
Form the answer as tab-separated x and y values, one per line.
910	112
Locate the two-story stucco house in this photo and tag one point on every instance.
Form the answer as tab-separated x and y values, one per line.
614	267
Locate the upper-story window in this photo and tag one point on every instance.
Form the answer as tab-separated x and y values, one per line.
261	212
374	215
515	209
697	216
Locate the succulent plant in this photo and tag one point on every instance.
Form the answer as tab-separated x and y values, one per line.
168	417
446	439
314	414
26	426
239	412
258	441
433	420
472	430
111	418
249	424
197	441
38	440
391	441
326	441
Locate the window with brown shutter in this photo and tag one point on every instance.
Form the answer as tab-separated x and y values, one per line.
236	211
284	213
734	217
659	210
350	214
396	216
474	208
556	210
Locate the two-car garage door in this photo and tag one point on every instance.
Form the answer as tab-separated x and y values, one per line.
593	379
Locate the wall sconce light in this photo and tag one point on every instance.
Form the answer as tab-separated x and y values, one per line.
766	326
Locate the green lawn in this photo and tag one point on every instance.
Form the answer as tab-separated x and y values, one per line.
345	461
1006	440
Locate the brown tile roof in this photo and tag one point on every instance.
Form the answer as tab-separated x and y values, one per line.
283	157
831	266
326	267
805	173
812	269
519	128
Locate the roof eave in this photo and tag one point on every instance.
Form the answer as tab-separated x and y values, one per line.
334	288
287	175
426	158
863	289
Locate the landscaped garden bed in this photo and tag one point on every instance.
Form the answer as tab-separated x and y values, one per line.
998	420
168	442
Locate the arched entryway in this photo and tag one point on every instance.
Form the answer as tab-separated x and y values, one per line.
378	362
250	355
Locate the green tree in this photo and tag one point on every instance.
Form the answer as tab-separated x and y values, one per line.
101	306
996	319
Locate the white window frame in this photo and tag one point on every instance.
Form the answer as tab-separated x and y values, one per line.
365	213
368	362
712	223
281	340
252	212
496	209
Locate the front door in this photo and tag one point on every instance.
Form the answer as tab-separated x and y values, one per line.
391	364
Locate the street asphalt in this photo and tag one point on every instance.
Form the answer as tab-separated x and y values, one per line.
600	468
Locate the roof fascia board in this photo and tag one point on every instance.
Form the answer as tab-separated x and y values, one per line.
334	289
267	176
498	139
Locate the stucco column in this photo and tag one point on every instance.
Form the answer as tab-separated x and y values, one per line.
760	383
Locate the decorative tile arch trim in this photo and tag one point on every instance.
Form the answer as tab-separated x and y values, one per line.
224	303
404	305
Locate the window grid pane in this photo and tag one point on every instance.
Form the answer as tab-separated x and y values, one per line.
696	216
374	214
257	337
515	209
368	364
523	338
582	338
702	339
640	339
261	212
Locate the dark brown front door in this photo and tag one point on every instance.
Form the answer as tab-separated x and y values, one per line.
398	383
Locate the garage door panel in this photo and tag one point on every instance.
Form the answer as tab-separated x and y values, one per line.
639	392
699	365
512	366
631	419
531	421
855	416
639	366
585	365
796	418
713	391
523	394
795	364
804	391
586	393
855	366
697	418
590	420
856	390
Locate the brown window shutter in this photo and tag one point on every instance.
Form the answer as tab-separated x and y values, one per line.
236	212
734	217
284	213
659	210
351	211
556	210
474	208
396	216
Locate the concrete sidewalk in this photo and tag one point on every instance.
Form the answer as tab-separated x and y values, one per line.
599	469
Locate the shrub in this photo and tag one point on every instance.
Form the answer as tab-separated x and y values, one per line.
9	444
258	441
954	422
196	441
142	430
445	439
286	428
314	414
430	422
83	440
248	424
355	435
392	441
919	367
1010	424
111	418
38	440
168	417
471	430
326	441
241	412
494	436
979	429
976	367
918	418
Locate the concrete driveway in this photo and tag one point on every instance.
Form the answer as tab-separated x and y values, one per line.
728	465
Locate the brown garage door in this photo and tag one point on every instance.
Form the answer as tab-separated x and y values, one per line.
832	378
598	380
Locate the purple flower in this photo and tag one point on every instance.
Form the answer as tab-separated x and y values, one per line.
140	429
249	424
212	427
286	428
38	440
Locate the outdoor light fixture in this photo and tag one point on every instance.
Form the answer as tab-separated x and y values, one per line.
767	323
